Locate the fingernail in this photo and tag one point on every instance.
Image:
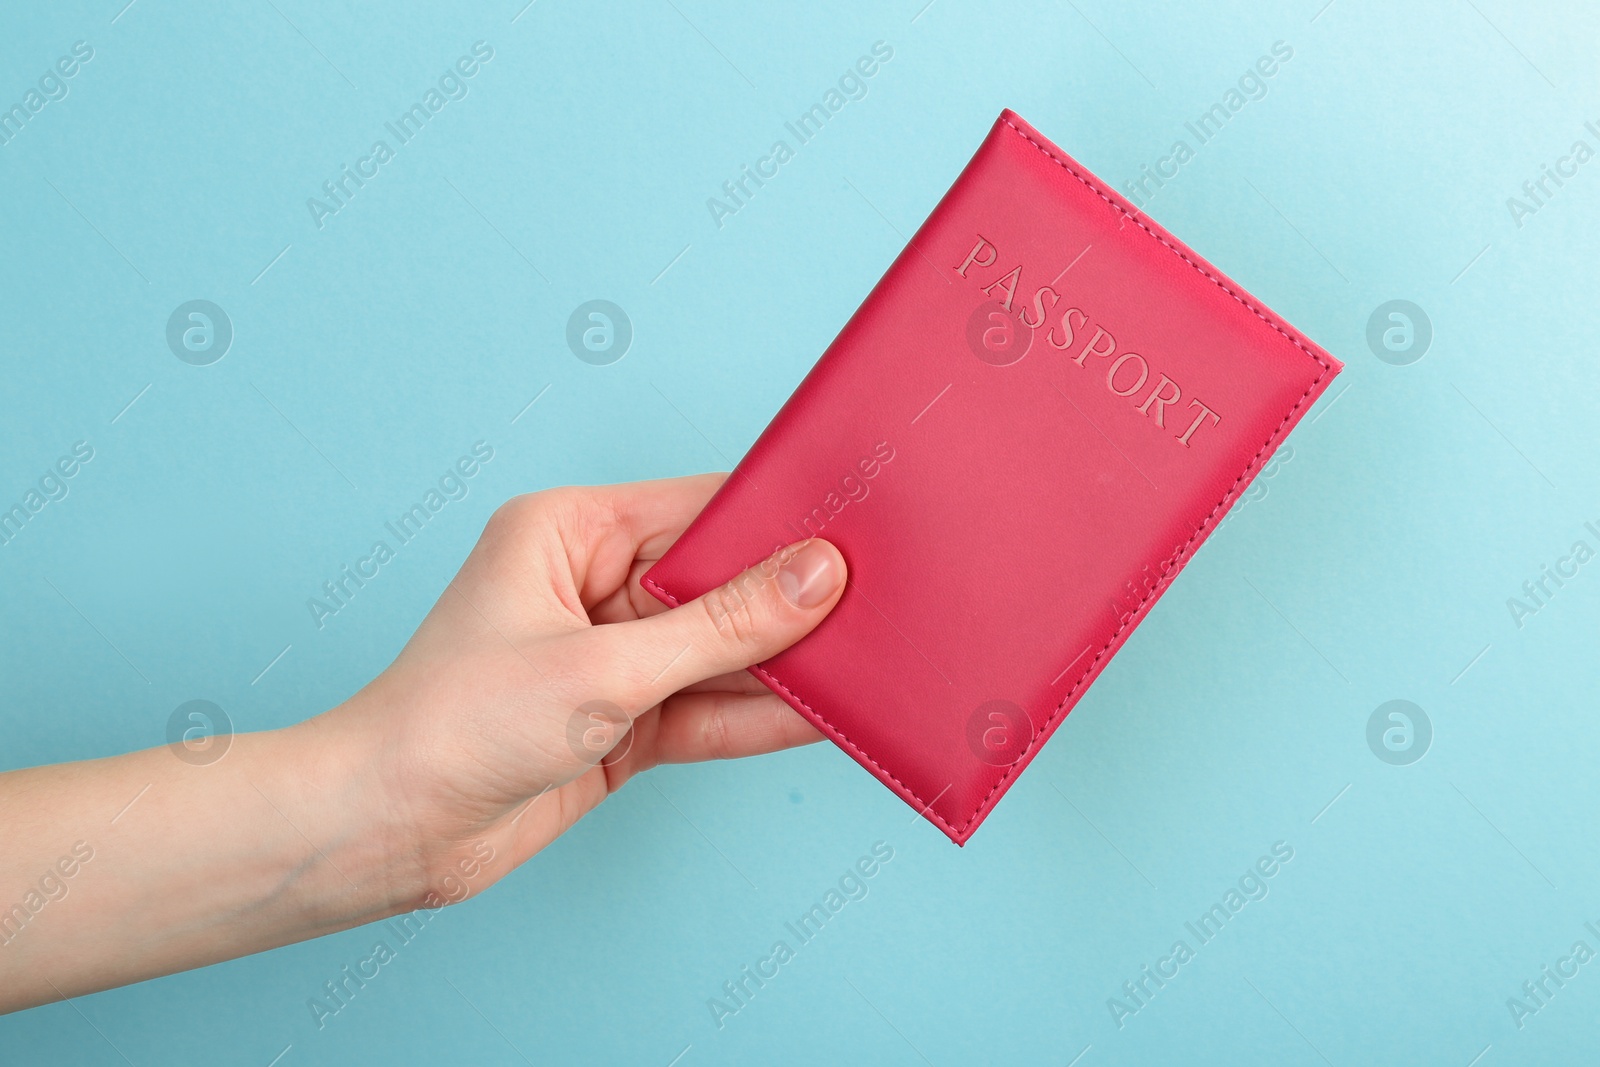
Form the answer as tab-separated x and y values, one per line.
810	576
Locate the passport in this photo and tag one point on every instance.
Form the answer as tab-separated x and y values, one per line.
1017	441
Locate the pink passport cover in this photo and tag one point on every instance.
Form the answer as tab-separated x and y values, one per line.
1018	440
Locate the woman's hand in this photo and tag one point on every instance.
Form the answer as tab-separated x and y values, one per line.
542	680
545	677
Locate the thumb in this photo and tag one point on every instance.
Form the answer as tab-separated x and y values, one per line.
751	618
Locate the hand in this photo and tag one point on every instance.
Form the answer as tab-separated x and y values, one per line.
546	677
542	680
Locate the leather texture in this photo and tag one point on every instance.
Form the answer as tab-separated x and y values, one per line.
1013	479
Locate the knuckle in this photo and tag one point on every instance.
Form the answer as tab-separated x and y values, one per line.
733	610
524	518
617	668
716	733
515	515
633	689
559	499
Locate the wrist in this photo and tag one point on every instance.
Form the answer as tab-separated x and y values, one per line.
345	774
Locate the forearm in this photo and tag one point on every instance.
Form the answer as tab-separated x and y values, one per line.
173	866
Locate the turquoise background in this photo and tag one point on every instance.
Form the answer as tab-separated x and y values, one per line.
1375	564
